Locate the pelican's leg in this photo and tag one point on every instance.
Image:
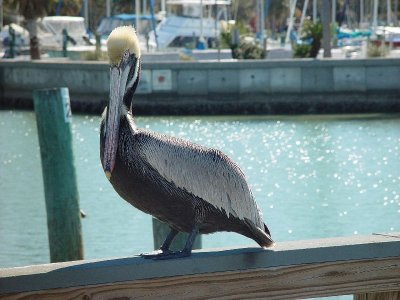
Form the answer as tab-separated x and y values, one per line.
165	246
187	250
168	240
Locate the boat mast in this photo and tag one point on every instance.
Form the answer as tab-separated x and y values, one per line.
260	21
375	16
1	14
303	15
137	12
314	11
201	39
291	19
108	8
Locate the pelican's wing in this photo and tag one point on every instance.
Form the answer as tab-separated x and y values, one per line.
206	173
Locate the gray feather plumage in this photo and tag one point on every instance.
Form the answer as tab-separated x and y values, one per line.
206	173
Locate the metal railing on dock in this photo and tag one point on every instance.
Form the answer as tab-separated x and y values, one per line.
365	266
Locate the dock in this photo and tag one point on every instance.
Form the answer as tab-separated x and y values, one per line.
367	267
291	86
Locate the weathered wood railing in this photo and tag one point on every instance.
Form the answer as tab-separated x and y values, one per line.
365	266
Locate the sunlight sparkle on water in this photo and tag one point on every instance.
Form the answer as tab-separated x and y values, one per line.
312	177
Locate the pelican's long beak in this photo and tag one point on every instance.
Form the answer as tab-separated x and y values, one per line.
118	80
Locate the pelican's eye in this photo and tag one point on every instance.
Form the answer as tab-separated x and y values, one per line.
126	55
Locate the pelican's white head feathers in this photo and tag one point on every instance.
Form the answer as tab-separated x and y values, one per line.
121	39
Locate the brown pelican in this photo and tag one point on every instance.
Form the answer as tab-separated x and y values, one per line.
191	188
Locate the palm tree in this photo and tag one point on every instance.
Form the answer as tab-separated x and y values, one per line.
32	10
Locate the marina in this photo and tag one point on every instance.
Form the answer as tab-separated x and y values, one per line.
258	154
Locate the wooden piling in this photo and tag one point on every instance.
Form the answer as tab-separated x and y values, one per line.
53	117
160	232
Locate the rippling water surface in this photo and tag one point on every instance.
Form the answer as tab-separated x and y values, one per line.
313	177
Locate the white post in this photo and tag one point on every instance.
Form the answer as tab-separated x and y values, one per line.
137	12
314	11
108	8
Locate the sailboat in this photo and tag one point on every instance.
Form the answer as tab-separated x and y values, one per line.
188	27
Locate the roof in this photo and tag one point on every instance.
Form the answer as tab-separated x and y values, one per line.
130	17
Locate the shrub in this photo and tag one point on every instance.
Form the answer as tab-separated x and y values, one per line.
301	51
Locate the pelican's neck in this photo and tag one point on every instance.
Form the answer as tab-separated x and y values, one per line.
131	122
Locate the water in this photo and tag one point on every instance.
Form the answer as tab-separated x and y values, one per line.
313	177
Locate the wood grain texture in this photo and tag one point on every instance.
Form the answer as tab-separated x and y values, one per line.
378	296
290	282
293	269
61	192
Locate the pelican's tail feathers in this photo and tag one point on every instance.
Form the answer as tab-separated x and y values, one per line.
262	237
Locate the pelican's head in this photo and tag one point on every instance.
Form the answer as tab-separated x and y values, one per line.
124	57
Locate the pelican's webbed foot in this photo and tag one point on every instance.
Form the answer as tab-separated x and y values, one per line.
154	254
166	255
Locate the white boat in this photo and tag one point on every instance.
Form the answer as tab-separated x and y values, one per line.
50	32
191	28
21	38
389	34
107	24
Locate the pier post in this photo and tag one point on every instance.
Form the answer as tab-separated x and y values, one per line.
160	232
53	117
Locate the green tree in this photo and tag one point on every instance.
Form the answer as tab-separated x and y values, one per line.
313	31
68	7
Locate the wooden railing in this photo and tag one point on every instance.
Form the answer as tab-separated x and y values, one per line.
365	266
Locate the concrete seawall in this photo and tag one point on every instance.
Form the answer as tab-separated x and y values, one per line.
256	87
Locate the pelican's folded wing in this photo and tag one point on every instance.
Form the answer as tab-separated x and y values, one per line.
206	173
